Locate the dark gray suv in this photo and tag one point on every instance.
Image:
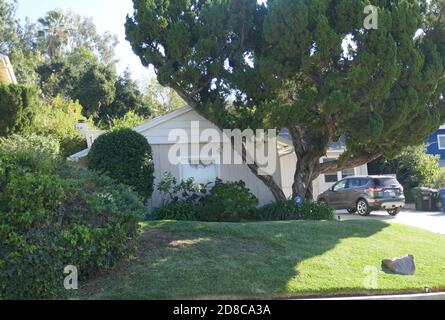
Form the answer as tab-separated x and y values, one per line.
365	194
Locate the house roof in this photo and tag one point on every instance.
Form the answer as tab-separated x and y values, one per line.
80	155
6	72
285	145
151	123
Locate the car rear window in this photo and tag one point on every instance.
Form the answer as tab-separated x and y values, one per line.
386	182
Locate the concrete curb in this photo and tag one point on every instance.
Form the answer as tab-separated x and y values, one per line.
423	296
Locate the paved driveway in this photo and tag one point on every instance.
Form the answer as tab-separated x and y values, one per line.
431	221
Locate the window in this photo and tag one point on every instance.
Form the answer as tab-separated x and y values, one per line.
441	142
340	186
386	182
364	182
201	172
355	183
330	177
348	173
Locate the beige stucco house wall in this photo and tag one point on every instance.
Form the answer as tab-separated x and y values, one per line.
6	72
157	133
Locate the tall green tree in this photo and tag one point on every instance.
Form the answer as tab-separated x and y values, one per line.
55	32
8	25
128	98
307	65
60	32
80	75
18	106
414	167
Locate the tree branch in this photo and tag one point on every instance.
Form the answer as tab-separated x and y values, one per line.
342	164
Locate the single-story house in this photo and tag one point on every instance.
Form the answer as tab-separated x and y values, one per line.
157	132
6	72
436	145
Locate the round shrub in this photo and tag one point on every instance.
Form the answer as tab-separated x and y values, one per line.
53	214
228	202
126	156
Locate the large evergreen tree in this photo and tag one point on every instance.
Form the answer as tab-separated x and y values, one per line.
307	65
18	106
128	99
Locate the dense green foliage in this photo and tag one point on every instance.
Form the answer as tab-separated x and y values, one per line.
413	167
8	28
176	210
80	76
129	121
182	200
215	202
126	156
17	143
227	202
53	215
58	119
18	106
306	65
289	210
128	98
161	99
63	54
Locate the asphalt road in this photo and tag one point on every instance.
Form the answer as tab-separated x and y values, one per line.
431	221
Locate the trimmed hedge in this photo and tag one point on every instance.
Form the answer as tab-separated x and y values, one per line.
289	210
52	215
126	156
228	202
176	210
188	201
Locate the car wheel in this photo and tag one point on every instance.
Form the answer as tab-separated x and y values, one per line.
393	212
363	208
352	211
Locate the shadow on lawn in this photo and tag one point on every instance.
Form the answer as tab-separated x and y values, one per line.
223	260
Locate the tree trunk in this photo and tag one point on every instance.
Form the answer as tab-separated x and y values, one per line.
308	155
310	151
305	174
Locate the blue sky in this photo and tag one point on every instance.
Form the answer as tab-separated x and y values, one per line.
108	15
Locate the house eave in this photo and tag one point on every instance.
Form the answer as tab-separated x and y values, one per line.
7	74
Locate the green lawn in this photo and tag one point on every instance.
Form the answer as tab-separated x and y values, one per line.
270	260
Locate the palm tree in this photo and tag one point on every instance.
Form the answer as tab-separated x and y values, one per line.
55	31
